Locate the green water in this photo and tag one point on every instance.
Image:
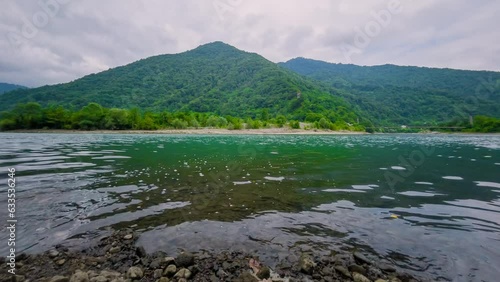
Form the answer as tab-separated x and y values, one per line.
272	195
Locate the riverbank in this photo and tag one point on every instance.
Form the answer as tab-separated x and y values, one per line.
116	258
200	131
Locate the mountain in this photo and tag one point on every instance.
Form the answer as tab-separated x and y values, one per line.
391	94
215	77
6	87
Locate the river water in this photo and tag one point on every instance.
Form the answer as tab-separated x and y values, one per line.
428	203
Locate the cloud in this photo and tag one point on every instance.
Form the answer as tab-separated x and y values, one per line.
75	38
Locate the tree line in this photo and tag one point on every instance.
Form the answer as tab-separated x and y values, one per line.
93	116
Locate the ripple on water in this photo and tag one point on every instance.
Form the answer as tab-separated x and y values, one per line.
424	183
419	194
242	182
487	184
364	187
453	178
343	190
387	198
398	168
271	178
110	157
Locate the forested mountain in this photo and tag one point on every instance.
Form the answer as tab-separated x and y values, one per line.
392	94
6	87
215	77
219	79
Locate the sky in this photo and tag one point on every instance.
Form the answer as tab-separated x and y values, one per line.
56	41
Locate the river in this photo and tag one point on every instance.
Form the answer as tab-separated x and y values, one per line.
428	203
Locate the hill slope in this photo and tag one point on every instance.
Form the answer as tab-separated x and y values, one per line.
408	95
6	87
214	77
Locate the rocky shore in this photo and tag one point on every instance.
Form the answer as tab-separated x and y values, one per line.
116	258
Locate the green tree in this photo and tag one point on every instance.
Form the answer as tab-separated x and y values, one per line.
280	120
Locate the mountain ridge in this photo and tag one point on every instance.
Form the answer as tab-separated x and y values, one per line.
214	77
6	87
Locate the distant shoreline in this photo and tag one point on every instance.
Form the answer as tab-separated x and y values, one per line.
201	131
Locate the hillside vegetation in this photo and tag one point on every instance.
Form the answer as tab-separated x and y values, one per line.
391	94
213	78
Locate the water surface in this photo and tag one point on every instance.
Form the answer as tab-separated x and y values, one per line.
429	203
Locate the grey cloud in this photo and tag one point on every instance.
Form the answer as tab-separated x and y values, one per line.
90	36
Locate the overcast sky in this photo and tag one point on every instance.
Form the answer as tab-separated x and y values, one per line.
67	39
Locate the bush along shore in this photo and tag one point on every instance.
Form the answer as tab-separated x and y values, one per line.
116	258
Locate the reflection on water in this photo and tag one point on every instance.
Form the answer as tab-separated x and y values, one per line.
438	215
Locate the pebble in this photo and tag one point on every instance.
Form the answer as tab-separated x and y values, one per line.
59	279
99	279
140	252
158	273
183	273
135	273
18	278
246	277
343	271
61	262
169	260
79	276
128	237
359	277
170	271
184	260
386	267
357	268
114	250
53	253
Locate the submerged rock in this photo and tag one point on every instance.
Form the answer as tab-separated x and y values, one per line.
306	264
361	258
264	273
